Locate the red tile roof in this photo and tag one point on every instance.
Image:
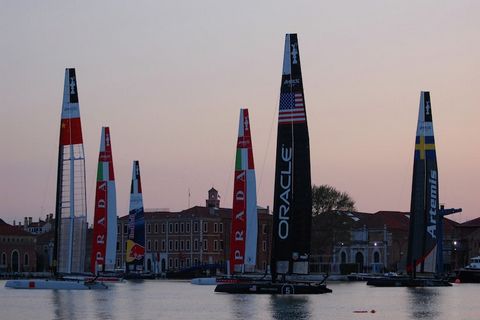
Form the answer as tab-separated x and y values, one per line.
8	230
394	220
196	211
471	223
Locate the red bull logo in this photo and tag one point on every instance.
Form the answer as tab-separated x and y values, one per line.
134	251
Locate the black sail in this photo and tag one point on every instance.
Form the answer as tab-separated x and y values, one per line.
292	206
422	240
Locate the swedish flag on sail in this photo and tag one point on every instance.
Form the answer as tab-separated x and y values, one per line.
425	148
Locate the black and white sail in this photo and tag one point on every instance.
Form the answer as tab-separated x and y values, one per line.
292	207
424	208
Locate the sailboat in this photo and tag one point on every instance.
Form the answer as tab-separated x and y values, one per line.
70	209
292	208
424	231
103	256
135	253
244	227
243	234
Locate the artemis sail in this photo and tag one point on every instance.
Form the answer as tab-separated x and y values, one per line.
424	207
135	253
104	241
292	208
425	232
243	236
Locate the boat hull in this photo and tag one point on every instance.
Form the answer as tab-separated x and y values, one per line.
468	276
220	280
272	288
105	279
407	282
204	281
54	284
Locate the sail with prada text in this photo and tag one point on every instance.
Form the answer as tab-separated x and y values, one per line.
292	207
243	236
104	241
422	242
135	254
71	207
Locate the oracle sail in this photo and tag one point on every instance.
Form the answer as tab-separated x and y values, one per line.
70	208
104	240
135	253
292	195
243	236
292	207
424	207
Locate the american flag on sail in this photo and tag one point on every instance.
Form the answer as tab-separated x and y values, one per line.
292	108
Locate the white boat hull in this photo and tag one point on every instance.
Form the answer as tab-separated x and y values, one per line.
204	281
54	284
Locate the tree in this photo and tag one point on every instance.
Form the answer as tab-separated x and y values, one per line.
329	225
326	198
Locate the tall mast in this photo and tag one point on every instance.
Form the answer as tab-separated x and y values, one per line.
105	219
243	236
135	253
292	207
424	207
70	207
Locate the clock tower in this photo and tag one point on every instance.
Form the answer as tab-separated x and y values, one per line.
213	200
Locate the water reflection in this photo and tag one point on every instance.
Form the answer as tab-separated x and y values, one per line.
423	302
103	304
242	306
64	304
290	307
92	304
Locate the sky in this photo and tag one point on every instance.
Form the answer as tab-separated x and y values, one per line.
169	78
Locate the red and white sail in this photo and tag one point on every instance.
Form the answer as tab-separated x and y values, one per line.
71	208
103	256
243	239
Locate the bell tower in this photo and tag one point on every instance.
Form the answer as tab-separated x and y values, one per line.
213	200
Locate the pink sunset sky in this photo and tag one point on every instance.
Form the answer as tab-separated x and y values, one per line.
169	77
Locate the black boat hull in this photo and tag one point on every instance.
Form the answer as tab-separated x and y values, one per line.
468	276
272	288
407	282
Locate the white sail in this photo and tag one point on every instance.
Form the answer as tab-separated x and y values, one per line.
71	208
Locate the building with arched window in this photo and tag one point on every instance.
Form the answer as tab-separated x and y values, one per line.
346	242
17	249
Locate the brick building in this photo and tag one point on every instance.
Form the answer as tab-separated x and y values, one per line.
196	236
17	249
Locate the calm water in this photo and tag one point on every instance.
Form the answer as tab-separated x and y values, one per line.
181	300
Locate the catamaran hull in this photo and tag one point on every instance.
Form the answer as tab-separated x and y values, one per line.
214	281
272	288
407	282
54	284
204	281
468	276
